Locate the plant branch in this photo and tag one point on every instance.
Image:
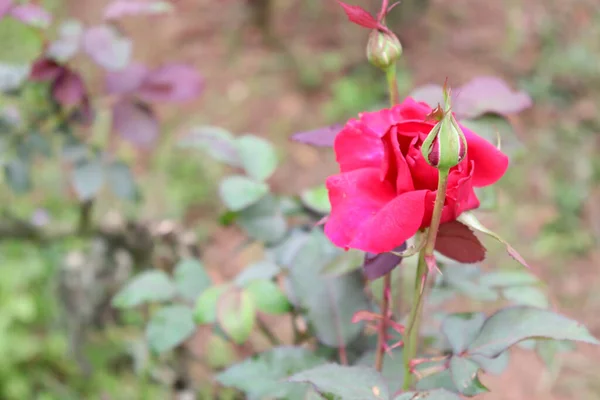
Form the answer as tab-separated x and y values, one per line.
264	329
392	80
385	308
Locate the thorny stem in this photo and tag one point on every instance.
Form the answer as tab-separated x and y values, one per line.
414	320
387	280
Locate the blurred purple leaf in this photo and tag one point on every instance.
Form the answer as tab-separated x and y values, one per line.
219	143
321	137
458	242
68	42
123	8
107	47
5	6
171	83
127	80
377	265
136	123
31	14
431	94
40	217
68	89
45	69
488	94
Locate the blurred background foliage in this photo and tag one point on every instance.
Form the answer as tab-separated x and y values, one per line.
274	68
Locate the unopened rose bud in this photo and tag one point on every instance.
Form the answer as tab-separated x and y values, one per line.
383	49
446	145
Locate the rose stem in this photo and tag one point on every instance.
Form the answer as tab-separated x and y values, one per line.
387	279
414	320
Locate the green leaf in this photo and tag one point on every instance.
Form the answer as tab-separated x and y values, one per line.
349	383
121	181
218	143
547	349
169	327
472	289
264	221
18	175
219	352
495	365
330	302
513	324
239	192
258	156
526	296
508	278
205	311
393	368
260	270
346	262
462	329
13	75
88	178
236	313
148	286
464	375
268	297
317	199
191	278
440	380
263	376
438	394
21	43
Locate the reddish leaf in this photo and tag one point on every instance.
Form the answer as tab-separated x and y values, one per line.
377	265
136	123
321	137
45	69
123	8
127	80
359	16
5	5
68	89
458	242
171	83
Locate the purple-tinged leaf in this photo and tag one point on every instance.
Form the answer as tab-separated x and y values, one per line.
107	47
68	89
458	242
31	14
488	94
377	265
321	137
68	42
171	83
122	8
136	123
359	16
40	217
44	70
5	6
431	94
127	80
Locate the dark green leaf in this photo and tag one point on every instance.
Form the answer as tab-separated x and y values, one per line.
21	43
258	156
169	327
464	375
191	278
317	199
262	376
462	329
88	178
440	380
264	220
330	302
527	296
508	278
149	286
344	263
493	366
513	324
121	181
236	313
349	383
205	311
473	290
239	192
260	270
18	175
393	368
268	297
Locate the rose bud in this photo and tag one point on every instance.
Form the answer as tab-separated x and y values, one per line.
383	49
446	145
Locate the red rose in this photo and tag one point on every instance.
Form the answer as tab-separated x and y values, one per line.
386	190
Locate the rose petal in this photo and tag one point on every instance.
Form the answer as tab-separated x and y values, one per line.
395	167
410	109
357	148
490	163
378	122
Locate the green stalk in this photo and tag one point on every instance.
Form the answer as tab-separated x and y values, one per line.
414	321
